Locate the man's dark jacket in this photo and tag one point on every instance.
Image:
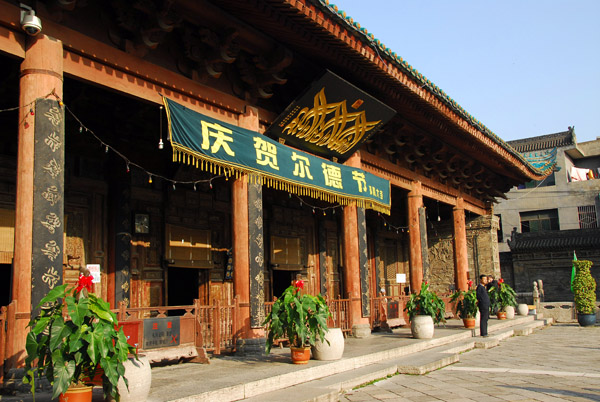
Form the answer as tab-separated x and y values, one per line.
483	299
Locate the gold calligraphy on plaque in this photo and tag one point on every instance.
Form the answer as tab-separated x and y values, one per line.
330	125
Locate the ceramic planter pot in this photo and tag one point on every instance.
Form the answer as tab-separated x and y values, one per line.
510	312
523	309
586	320
501	315
332	351
300	355
422	327
469	322
77	394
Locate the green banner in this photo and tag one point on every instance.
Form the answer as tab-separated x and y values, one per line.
222	148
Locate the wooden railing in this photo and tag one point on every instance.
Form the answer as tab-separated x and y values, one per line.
211	327
340	314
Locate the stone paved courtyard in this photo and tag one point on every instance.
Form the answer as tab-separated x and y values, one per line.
559	363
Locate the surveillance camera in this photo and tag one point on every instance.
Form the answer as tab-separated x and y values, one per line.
30	23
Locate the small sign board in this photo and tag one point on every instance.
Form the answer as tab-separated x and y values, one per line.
161	332
94	272
400	278
393	310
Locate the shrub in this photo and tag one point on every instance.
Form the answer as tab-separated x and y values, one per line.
584	287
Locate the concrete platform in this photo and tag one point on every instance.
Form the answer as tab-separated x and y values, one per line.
274	378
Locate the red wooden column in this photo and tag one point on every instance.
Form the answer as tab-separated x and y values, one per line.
41	73
461	260
351	259
241	243
415	201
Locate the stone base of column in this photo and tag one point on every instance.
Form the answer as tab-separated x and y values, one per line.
361	330
250	347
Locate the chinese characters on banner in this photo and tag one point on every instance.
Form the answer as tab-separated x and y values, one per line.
219	147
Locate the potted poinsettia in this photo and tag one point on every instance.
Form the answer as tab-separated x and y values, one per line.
466	305
424	309
301	318
68	349
502	299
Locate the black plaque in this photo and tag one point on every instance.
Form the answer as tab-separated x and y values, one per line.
323	260
378	280
48	198
364	262
122	237
424	247
161	332
257	253
331	119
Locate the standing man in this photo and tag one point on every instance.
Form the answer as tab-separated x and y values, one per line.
483	303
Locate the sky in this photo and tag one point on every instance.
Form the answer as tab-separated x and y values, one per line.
524	68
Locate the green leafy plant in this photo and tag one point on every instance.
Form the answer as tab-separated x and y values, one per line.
67	350
300	318
502	296
466	302
426	302
584	288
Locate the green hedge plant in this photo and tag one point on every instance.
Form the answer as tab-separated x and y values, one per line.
584	288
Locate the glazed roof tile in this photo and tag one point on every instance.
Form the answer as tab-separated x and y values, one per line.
543	142
362	33
555	240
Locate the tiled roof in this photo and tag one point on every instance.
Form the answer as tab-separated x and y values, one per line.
423	81
575	239
543	142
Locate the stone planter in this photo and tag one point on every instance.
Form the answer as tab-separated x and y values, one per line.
523	309
586	320
139	377
421	327
332	351
510	312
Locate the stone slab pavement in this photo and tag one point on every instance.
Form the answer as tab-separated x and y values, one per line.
230	378
557	363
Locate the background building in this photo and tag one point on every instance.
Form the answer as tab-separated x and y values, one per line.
544	222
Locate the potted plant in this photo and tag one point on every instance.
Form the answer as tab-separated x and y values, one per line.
424	309
70	349
502	298
300	318
584	290
466	305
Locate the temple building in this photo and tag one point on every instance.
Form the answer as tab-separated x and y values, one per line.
201	153
546	223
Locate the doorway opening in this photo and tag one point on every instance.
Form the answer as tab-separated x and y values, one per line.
182	288
5	284
282	280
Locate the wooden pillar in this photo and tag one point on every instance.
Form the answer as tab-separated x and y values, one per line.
41	73
415	201
351	259
461	261
251	335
